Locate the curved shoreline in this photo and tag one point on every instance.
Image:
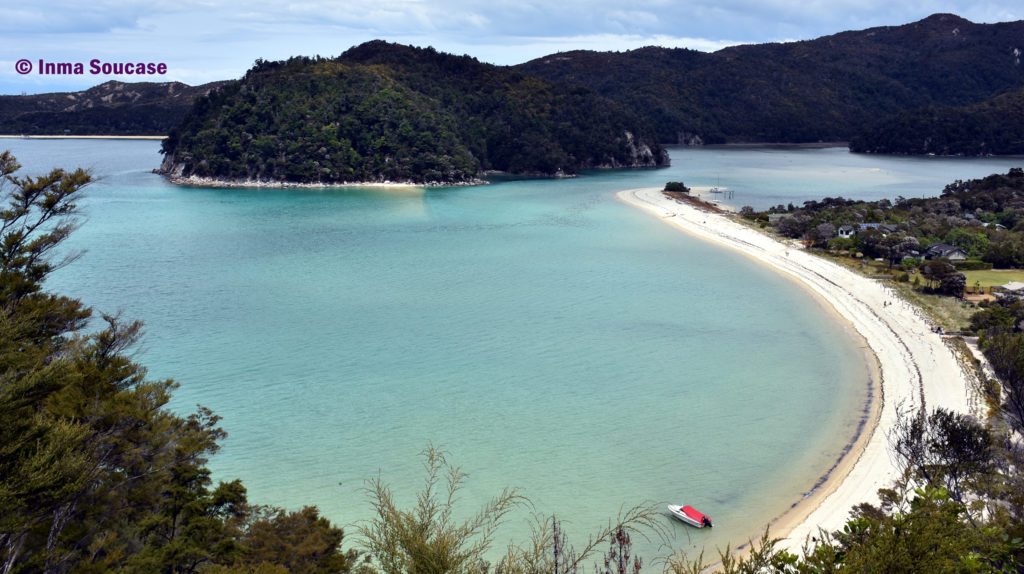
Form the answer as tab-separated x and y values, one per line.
197	181
915	369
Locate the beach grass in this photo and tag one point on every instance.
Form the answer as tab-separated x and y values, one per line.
950	313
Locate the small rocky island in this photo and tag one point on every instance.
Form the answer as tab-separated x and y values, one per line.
385	112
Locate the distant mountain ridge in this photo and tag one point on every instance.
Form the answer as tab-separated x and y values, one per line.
826	89
110	108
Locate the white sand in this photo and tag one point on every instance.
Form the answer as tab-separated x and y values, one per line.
69	137
916	366
197	181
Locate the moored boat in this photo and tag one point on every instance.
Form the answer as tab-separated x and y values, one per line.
690	515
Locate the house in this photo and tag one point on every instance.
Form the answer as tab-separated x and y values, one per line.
776	217
884	228
944	251
1013	287
851	230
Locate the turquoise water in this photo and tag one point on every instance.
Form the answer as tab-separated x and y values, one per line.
763	177
545	335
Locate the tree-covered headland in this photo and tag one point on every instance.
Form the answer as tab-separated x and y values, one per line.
386	112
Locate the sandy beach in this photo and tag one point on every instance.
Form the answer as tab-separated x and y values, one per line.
69	137
196	181
915	368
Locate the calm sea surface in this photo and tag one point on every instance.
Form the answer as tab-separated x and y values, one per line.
545	335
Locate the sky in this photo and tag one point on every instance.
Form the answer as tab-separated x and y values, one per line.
207	40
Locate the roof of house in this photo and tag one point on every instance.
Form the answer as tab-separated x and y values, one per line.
1013	286
887	227
943	250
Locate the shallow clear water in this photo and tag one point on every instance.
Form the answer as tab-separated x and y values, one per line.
547	336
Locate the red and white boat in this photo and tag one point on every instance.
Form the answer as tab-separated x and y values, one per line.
690	515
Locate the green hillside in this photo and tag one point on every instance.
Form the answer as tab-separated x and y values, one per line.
385	112
826	89
993	126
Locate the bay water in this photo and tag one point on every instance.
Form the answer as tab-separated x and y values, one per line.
546	336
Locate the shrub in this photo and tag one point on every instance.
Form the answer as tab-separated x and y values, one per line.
973	265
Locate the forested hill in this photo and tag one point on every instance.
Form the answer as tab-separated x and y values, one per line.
826	89
387	112
111	108
993	126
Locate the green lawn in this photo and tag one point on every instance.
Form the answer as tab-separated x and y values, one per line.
993	277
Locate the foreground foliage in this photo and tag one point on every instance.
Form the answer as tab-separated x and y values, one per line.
957	509
96	475
428	538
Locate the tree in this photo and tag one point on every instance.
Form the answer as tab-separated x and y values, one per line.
619	559
943	449
974	242
426	539
44	465
895	246
303	542
820	234
1005	250
677	186
95	474
953	284
840	244
1006	353
920	533
936	270
794	226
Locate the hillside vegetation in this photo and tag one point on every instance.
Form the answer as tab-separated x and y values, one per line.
388	112
993	126
826	89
